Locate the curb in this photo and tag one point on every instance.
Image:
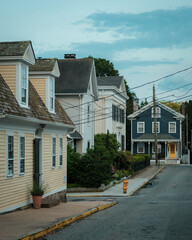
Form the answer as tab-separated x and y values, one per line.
147	181
66	222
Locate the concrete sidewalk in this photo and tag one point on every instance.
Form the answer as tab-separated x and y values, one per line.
33	223
134	183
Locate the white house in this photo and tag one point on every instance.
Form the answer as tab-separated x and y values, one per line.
110	110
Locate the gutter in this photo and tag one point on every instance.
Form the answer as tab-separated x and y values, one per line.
34	120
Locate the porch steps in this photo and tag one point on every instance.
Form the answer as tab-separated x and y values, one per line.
48	203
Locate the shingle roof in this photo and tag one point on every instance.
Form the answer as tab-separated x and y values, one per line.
159	137
110	81
13	48
75	75
37	108
45	64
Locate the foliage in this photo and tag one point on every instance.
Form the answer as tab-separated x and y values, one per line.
140	161
122	160
143	103
174	105
104	67
108	143
73	159
129	109
38	189
95	168
188	110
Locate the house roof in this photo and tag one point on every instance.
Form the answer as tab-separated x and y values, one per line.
45	64
76	135
159	104
75	75
151	136
13	48
110	81
37	109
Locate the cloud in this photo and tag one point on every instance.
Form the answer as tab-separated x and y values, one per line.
159	28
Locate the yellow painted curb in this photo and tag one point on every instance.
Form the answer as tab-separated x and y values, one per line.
147	181
66	222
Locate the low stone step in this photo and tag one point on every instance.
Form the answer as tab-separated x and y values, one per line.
48	203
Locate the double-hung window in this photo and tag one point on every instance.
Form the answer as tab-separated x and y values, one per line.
140	127
24	83
172	127
51	94
140	147
60	151
158	112
88	113
22	156
53	162
10	155
157	127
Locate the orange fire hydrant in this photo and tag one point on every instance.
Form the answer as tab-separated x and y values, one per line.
125	182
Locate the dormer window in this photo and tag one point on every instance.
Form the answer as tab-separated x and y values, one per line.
51	94
24	81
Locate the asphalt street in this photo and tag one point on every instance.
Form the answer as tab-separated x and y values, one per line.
161	210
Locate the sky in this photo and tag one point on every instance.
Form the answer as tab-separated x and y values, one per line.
146	40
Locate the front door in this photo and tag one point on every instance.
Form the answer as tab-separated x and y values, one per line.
172	150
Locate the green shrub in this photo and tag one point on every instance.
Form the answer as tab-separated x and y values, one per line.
73	160
95	168
123	160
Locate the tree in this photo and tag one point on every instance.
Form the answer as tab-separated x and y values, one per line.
129	109
104	67
188	110
143	103
174	105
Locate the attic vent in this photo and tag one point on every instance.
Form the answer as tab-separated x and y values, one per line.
70	56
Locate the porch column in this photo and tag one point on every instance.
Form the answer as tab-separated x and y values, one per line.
148	147
165	150
132	146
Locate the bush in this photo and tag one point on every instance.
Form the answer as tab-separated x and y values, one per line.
141	161
108	143
73	160
123	159
95	168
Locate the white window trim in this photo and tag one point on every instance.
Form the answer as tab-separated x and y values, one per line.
48	100
60	151
143	127
6	167
19	153
52	137
170	128
22	104
143	147
158	128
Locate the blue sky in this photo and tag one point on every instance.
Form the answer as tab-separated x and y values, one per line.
145	39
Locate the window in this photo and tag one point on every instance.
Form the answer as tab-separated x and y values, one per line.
51	94
117	114
140	147
140	127
53	152
10	155
158	112
158	127
22	156
122	142
88	113
60	151
24	82
75	145
88	145
172	127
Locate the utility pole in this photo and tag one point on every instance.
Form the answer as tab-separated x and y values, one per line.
155	125
187	138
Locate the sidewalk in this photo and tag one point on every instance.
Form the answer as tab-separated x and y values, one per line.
31	223
134	184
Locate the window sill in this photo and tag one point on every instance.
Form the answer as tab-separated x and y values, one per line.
21	174
9	177
60	166
52	168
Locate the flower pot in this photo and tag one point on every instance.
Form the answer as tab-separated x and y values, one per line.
37	202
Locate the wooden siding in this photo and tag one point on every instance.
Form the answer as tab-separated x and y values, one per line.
8	72
100	115
14	190
53	177
40	86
